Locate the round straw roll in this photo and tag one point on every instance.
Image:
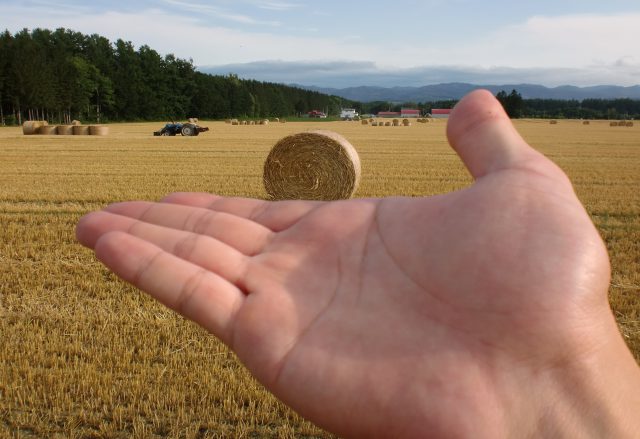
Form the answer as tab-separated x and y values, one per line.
315	165
97	130
81	130
31	127
65	130
48	130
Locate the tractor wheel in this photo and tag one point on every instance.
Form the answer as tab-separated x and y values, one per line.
165	133
188	130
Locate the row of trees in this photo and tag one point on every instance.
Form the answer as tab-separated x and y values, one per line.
62	75
517	107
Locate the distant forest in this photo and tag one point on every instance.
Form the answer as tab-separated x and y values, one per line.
517	107
63	75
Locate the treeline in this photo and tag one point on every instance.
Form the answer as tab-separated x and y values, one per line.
63	75
517	107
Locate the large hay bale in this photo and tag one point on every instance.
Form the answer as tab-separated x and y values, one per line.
622	123
31	127
613	124
396	123
264	122
365	122
64	130
406	122
554	122
374	124
252	122
235	122
315	165
81	130
276	119
586	122
387	124
244	122
629	124
76	122
97	130
48	130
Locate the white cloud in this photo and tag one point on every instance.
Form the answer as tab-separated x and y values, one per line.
275	5
565	41
188	37
216	12
588	49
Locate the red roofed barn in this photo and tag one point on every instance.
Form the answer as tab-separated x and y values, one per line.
440	113
406	113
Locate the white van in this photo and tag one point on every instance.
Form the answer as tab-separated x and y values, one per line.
348	114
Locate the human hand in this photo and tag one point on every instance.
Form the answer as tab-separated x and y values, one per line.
480	313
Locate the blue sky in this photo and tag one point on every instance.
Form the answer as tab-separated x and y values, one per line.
340	43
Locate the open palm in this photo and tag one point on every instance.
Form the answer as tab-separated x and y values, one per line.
390	316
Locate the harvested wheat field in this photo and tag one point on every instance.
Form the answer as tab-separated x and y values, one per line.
85	355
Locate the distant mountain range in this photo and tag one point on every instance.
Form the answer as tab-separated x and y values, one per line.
457	90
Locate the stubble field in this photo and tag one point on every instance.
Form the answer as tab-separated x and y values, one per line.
84	355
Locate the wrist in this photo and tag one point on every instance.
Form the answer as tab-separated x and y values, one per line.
592	395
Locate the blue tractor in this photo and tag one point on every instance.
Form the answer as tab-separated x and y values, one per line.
186	129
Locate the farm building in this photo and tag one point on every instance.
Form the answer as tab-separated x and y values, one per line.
440	113
408	112
404	113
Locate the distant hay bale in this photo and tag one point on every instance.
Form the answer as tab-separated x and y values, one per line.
315	165
396	123
374	124
252	122
264	122
47	130
406	122
276	119
81	130
586	122
97	130
64	130
371	120
244	122
227	121
387	124
622	123
629	124
31	127
76	122
234	122
554	122
364	122
193	120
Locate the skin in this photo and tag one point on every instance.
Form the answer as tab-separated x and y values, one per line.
479	313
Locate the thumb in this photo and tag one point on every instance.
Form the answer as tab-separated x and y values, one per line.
482	134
